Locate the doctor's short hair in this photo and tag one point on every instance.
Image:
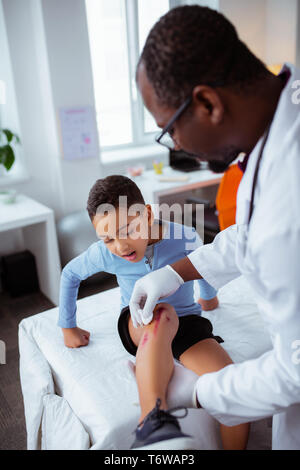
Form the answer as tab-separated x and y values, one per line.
193	45
108	191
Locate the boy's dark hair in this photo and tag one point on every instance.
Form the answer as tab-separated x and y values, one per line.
108	190
194	45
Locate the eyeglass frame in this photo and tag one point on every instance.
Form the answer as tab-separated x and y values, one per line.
180	111
174	118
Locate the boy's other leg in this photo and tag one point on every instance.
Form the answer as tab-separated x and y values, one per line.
208	356
154	358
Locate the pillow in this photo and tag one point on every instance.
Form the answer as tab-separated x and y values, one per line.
61	429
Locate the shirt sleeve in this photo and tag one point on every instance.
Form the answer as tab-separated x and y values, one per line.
216	261
267	385
83	266
207	292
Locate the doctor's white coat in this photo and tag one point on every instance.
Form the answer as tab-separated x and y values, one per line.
268	255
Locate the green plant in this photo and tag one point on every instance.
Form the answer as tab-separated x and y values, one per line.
7	154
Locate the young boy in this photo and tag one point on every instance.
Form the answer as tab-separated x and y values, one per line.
132	244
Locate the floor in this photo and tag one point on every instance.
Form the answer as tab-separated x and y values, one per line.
12	311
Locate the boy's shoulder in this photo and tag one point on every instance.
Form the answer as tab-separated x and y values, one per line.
99	248
181	232
100	245
182	237
107	259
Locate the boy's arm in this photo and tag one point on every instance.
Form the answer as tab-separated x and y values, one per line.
208	294
83	266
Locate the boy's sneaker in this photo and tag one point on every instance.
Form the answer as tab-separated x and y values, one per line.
160	431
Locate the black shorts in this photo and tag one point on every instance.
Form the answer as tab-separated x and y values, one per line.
191	330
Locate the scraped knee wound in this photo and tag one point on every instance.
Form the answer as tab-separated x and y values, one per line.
165	315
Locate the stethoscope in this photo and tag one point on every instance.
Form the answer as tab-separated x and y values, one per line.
243	229
251	207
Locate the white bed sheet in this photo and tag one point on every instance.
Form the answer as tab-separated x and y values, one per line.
96	385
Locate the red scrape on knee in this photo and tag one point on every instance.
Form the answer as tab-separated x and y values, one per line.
159	312
145	339
157	319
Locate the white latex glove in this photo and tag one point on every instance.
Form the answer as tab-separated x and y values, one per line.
148	290
182	388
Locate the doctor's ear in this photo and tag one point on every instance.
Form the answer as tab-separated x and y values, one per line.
208	104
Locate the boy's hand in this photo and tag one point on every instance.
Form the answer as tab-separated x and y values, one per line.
75	337
210	304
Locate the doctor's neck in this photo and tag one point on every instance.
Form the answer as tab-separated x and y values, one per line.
255	111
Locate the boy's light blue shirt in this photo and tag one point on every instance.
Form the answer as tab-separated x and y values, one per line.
178	241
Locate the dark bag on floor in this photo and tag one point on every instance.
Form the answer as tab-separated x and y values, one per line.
19	274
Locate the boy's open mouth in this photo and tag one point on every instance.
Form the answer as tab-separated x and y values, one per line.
131	256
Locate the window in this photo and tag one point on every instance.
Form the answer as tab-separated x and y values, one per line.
117	32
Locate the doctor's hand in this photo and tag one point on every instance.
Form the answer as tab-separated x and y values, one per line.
76	337
148	290
182	388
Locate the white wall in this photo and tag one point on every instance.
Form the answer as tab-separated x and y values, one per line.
72	85
249	18
34	101
269	27
281	31
8	111
204	3
49	49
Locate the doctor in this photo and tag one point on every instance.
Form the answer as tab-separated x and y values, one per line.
213	98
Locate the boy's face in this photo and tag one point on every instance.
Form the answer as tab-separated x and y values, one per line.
124	235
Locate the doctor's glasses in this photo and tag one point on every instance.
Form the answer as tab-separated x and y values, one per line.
165	137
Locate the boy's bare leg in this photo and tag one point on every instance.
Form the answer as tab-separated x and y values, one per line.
208	356
154	358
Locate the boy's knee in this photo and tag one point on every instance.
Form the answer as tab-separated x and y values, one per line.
165	313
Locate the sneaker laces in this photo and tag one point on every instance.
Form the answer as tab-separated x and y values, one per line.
159	417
